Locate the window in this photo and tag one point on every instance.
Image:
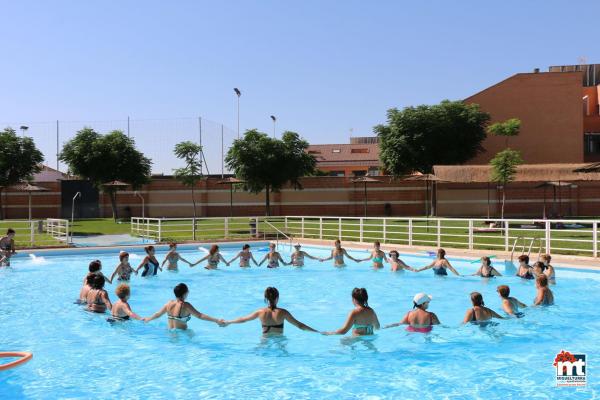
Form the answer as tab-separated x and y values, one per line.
591	143
373	171
359	173
362	151
336	173
336	150
314	152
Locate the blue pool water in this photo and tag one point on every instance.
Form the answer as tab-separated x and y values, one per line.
80	355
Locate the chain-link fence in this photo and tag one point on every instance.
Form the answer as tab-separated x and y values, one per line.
156	138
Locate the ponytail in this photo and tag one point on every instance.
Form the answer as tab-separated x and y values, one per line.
271	296
361	296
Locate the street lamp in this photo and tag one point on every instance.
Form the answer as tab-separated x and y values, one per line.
274	120
23	129
141	197
238	93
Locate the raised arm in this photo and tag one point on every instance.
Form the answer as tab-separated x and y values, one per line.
290	318
252	258
223	259
451	268
406	266
131	313
166	258
495	314
354	259
328	258
204	317
309	256
426	267
282	260
144	261
157	314
263	260
200	260
115	272
345	328
183	259
364	259
247	318
236	257
403	322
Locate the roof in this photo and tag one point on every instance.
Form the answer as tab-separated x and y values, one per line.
325	152
525	173
48	174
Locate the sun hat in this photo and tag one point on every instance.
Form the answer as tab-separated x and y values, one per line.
421	298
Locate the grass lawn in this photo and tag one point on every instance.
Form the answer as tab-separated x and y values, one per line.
100	226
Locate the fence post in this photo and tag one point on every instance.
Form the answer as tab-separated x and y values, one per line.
360	238
302	226
506	225
470	234
595	238
31	231
384	231
548	237
321	228
439	233
410	232
226	227
148	228
286	224
67	232
340	228
159	230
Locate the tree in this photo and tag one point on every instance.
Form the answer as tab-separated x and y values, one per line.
265	163
19	160
417	138
106	158
504	168
508	128
190	152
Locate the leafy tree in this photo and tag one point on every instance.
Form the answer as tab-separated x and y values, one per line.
189	175
508	128
417	138
19	160
265	163
504	168
106	158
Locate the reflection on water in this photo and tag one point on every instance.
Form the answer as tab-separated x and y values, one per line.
275	345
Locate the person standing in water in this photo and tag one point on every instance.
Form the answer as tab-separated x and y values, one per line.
150	263
524	271
419	319
273	257
544	296
271	317
397	265
362	319
97	298
298	256
486	270
510	305
377	255
245	256
179	311
121	311
213	258
7	247
440	264
337	254
548	268
124	269
173	257
479	313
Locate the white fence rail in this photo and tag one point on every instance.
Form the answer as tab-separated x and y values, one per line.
575	237
37	233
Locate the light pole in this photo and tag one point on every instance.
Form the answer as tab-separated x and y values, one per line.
238	93
141	197
78	194
23	129
274	120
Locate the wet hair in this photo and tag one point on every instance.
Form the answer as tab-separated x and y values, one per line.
524	258
504	290
180	290
10	230
540	265
361	296
89	279
542	280
98	282
148	249
477	299
546	257
246	246
337	241
213	249
272	245
122	291
376	243
441	253
394	252
271	296
172	245
95	266
122	255
487	261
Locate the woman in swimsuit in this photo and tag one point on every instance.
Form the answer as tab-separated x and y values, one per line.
245	256
298	256
479	313
362	320
486	270
524	270
124	269
549	269
377	256
121	311
337	254
274	258
272	317
150	263
94	268
7	247
419	319
87	286
440	264
544	296
213	258
173	257
179	312
510	305
397	264
97	297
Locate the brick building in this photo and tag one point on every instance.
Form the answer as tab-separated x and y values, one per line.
358	158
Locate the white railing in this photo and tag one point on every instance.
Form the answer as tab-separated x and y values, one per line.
568	237
37	233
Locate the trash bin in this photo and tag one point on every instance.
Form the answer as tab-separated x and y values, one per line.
387	209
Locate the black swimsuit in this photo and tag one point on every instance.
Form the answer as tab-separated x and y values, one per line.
147	267
267	328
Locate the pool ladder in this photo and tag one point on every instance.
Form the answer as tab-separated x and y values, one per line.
523	246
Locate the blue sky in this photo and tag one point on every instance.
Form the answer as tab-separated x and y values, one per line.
321	67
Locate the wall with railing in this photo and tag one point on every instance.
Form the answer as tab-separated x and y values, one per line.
50	232
567	237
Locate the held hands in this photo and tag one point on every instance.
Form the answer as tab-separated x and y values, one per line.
222	323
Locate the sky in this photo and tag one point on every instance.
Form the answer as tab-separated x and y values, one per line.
325	69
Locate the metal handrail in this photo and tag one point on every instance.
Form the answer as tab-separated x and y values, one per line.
282	233
531	245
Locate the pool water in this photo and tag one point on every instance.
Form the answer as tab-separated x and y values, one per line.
79	355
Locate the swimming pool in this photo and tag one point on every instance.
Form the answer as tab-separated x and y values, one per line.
80	355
